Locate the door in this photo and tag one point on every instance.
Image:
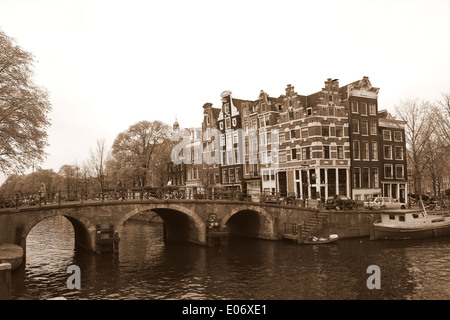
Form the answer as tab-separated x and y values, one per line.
282	183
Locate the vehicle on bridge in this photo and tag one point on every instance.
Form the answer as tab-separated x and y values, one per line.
383	203
340	202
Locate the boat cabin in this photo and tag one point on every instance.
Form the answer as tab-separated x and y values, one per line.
411	216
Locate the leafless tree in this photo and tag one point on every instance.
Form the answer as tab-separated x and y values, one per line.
97	163
418	131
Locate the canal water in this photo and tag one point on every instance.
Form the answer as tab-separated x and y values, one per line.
148	269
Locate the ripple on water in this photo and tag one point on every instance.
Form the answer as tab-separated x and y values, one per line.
146	268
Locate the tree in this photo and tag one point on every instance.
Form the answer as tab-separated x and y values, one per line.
97	163
418	131
436	161
24	109
442	116
133	150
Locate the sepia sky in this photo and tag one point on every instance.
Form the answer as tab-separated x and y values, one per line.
110	64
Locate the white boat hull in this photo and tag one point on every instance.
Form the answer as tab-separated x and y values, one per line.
438	229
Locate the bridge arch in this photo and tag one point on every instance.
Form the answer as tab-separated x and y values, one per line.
84	230
181	222
250	220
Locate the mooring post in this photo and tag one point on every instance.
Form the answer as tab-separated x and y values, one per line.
5	281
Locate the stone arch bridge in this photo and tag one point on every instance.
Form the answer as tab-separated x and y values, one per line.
98	224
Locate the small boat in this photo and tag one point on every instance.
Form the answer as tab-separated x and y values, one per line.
409	224
315	240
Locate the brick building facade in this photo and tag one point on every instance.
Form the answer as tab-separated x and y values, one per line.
334	141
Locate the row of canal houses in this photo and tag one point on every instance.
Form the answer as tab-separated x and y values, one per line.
334	141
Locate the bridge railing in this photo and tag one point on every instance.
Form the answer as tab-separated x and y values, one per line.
41	198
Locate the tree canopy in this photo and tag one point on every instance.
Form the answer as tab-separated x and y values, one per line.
137	150
24	109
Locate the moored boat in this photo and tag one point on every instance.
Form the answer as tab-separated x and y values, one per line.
409	224
315	240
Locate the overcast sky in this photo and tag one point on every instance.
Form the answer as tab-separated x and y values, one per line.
110	64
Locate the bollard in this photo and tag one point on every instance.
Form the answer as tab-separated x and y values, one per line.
5	281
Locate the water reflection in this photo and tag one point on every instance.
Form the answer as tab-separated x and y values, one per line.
146	268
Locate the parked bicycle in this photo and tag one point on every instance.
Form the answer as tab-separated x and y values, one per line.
433	205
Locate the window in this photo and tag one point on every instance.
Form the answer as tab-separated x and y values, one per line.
238	174
354	107
398	153
373	127
237	155
234	122
282	156
387	135
292	133
262	138
235	137
372	109
365	150
340	152
227	108
388	171
263	107
282	137
207	119
356	178
266	175
356	152
365	178
374	147
263	157
326	152
231	174
221	125
339	131
306	153
224	176
325	131
230	157
227	123
291	114
355	126
398	136
364	127
331	112
315	131
305	133
363	108
374	177
399	172
387	152
309	111
293	153
274	136
332	131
